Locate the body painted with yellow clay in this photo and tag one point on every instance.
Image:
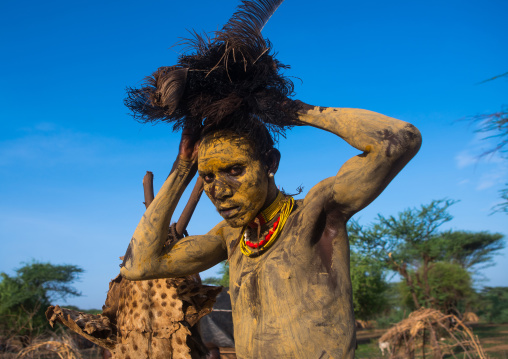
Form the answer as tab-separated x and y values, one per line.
294	300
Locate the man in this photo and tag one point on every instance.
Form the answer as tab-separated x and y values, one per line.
289	261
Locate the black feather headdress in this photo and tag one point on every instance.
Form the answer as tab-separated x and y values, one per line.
231	81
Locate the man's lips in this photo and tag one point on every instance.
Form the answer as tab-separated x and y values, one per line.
228	212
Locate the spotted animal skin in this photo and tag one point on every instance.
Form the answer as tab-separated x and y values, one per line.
146	319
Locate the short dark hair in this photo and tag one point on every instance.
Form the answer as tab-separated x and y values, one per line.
257	133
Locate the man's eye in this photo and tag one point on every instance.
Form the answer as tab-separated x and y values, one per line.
235	171
208	178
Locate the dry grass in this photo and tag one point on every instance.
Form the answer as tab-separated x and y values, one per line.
408	336
63	347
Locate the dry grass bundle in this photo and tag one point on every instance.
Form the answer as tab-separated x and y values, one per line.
470	317
409	335
364	324
65	349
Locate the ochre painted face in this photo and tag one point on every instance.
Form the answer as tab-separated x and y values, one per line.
235	179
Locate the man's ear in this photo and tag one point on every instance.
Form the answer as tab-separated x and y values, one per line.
272	159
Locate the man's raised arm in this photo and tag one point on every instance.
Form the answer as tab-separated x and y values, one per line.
387	145
144	258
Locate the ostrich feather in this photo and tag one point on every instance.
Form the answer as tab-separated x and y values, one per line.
242	33
230	80
169	84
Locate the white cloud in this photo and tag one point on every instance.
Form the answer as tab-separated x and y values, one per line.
465	159
492	178
47	144
486	182
480	144
473	156
488	171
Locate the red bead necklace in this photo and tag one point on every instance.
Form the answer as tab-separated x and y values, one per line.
267	237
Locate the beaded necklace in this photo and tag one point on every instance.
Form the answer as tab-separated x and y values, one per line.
282	206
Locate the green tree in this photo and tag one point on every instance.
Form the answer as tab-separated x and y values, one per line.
369	286
450	286
492	304
408	244
411	245
471	250
25	296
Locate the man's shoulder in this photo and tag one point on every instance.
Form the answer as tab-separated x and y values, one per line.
321	200
225	231
320	194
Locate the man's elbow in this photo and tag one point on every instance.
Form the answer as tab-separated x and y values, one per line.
132	274
414	138
410	141
138	271
151	271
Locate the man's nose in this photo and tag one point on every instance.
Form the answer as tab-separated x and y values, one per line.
222	190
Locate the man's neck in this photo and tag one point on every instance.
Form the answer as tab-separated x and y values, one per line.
270	196
268	213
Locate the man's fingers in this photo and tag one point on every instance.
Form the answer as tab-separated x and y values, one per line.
189	144
196	148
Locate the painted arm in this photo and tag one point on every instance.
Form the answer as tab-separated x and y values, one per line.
387	145
146	257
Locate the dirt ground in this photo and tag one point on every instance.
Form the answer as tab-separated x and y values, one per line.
493	337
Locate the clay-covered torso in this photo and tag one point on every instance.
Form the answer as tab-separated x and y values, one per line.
294	301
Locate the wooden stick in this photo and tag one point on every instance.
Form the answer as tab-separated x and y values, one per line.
148	188
188	211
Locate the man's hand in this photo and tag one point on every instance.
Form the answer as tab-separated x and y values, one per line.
187	151
143	257
189	143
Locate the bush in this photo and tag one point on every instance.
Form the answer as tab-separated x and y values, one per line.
25	296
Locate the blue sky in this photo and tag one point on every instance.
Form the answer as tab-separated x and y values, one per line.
72	159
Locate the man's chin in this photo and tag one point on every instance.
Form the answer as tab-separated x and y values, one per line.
238	221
